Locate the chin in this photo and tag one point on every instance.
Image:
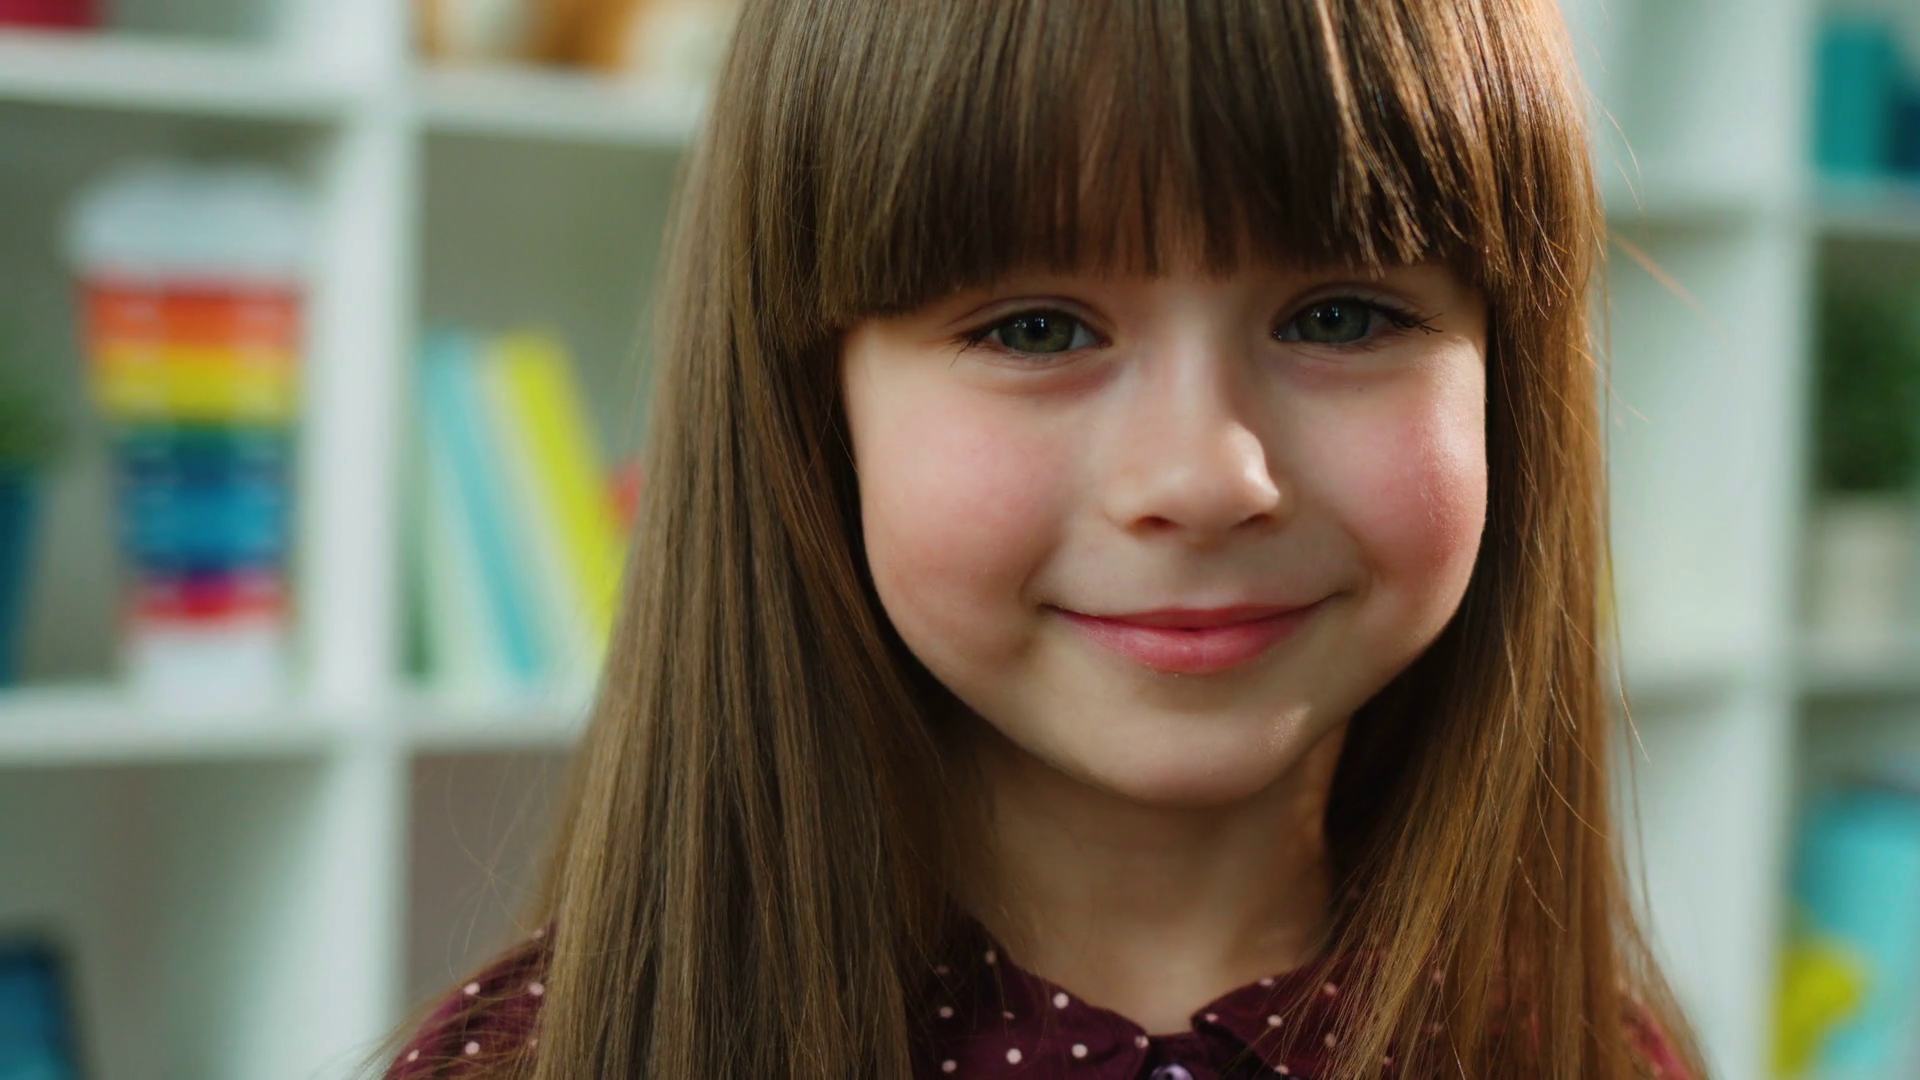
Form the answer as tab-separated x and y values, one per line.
1188	788
1182	771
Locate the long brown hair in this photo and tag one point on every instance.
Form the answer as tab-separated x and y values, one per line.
755	860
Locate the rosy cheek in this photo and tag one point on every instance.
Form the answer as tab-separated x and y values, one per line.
959	509
1415	498
1449	467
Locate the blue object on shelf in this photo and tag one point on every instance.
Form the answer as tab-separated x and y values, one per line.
1904	155
242	521
202	452
18	496
36	1023
455	416
1858	81
203	498
1858	879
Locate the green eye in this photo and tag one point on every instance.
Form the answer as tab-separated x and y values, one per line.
1040	332
1334	322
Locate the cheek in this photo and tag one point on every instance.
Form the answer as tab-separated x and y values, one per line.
1415	499
959	508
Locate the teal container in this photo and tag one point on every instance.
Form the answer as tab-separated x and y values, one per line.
1857	878
1857	85
18	495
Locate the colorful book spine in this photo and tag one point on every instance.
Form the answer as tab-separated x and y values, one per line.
545	408
556	607
464	644
518	500
458	418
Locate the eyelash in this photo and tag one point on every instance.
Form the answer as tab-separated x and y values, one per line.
1400	318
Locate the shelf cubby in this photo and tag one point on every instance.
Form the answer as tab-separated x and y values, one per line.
257	894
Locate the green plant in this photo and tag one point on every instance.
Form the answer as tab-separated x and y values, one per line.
1868	428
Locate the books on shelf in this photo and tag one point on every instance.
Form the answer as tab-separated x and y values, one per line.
516	541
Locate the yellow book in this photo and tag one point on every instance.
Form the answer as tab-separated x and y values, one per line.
544	398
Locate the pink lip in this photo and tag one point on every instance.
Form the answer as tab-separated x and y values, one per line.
1193	641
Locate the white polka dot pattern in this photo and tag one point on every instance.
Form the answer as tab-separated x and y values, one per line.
1043	1032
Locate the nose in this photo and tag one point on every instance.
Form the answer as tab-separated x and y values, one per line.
1189	459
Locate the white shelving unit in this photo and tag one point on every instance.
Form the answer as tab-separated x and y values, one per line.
1724	233
257	892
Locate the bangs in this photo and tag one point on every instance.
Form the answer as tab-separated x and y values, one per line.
925	147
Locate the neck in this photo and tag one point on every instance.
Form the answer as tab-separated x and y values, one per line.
1153	911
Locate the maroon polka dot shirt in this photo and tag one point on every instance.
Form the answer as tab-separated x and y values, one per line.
989	1018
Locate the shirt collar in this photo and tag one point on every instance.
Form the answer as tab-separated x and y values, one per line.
986	1013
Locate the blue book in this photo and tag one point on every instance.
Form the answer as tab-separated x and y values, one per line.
456	417
459	638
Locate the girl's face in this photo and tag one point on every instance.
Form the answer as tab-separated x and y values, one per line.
1164	534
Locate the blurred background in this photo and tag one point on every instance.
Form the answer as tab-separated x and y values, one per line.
322	331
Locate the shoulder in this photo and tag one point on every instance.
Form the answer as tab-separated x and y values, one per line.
489	1019
1656	1048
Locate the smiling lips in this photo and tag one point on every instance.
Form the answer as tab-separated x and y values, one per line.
1188	641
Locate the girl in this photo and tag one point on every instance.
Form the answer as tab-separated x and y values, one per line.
1119	589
